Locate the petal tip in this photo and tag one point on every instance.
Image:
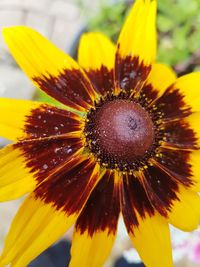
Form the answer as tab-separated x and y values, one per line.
5	31
8	32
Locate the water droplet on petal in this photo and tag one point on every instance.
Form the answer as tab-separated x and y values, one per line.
132	74
45	166
69	150
124	83
56	149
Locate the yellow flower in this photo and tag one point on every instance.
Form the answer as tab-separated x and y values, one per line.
128	144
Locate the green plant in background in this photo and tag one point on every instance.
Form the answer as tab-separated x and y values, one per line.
42	97
109	17
179	27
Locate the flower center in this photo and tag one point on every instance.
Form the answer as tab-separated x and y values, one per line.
121	133
123	129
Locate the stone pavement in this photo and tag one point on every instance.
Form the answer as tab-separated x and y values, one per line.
56	19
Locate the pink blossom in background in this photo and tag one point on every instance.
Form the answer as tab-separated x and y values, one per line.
194	252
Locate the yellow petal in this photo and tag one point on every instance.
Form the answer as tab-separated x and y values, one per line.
151	238
195	170
181	98
15	178
183	143
188	86
87	250
25	165
95	50
138	36
185	212
182	134
136	48
96	226
97	55
35	227
49	68
193	121
160	77
15	113
49	212
29	120
149	232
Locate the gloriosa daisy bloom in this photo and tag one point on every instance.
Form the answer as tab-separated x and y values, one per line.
127	142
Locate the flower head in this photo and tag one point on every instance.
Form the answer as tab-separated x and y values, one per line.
126	141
